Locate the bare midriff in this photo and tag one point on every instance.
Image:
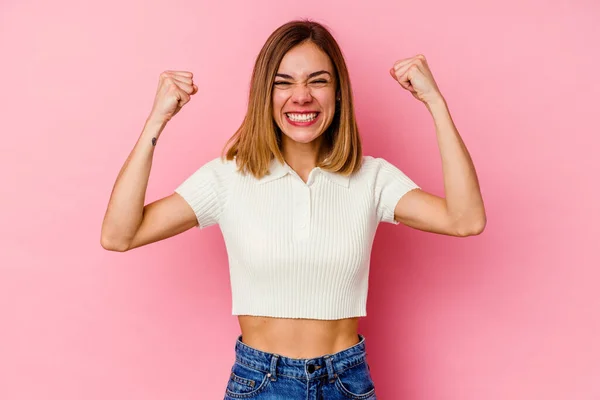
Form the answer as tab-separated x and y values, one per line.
298	338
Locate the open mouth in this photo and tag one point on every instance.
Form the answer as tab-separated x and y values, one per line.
303	118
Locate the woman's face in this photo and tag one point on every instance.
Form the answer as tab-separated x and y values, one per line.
304	93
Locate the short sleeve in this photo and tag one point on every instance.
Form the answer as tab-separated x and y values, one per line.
205	192
390	185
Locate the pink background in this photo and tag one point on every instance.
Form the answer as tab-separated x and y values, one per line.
511	314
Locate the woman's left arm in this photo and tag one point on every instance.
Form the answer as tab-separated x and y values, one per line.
461	212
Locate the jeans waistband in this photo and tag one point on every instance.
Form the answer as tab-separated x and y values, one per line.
302	368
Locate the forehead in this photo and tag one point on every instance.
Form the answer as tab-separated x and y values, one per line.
303	59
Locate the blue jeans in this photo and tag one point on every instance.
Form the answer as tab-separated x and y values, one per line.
267	376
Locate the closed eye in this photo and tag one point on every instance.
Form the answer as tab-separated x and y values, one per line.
288	83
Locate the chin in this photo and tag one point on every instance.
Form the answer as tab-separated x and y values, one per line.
302	137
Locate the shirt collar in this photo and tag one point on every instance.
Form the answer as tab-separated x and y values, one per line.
278	170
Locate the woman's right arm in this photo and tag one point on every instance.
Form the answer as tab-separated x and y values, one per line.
128	223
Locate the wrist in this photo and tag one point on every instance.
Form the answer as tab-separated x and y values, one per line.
152	130
435	99
154	126
435	103
156	122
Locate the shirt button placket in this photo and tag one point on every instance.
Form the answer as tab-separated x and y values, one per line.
304	213
297	209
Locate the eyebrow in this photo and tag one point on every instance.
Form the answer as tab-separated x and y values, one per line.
309	76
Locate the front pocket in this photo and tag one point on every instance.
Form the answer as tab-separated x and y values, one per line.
356	382
245	382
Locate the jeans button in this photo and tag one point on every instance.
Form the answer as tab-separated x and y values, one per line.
311	368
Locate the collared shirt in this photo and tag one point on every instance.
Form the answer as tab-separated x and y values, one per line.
297	249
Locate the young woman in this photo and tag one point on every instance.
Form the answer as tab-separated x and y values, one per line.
298	205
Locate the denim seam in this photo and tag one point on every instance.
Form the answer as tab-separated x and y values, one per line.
263	385
353	364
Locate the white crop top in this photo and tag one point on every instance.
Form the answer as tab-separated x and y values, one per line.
296	249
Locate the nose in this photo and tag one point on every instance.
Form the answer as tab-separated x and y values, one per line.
301	94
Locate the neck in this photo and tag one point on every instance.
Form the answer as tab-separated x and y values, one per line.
301	157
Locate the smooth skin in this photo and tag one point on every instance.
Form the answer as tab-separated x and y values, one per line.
128	224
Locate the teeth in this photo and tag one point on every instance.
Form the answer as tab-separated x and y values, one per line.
302	117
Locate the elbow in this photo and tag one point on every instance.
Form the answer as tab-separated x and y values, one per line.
478	228
113	245
472	227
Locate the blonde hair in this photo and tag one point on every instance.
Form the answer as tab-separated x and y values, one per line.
258	139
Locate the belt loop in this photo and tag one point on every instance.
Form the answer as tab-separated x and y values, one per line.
330	370
273	371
